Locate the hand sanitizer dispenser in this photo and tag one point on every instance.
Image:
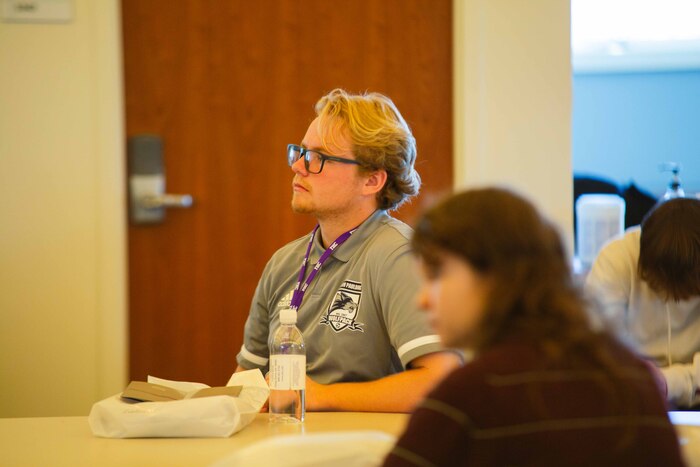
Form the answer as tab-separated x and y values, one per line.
674	189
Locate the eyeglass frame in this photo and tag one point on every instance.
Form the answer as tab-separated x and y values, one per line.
324	157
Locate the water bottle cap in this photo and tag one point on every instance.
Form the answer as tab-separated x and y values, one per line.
288	316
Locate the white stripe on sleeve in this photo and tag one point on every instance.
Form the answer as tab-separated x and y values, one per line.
251	357
418	342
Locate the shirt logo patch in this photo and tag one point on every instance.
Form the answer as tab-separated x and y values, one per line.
342	312
286	301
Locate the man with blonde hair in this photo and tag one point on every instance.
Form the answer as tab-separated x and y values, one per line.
368	347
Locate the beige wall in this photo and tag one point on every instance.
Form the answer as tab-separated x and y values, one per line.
62	245
513	100
62	256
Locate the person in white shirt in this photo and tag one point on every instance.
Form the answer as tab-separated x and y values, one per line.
647	284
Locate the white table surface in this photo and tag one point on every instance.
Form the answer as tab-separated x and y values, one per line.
67	441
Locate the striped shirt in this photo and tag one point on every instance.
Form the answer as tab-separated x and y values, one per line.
513	406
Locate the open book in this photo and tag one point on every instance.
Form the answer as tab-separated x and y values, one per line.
142	391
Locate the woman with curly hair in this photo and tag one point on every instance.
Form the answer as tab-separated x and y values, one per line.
544	387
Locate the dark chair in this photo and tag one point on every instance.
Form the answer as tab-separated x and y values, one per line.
637	204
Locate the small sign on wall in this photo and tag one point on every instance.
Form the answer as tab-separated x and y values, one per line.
36	11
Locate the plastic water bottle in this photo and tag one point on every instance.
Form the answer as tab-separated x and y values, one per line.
287	371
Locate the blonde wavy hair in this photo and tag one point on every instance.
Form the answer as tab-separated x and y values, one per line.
380	137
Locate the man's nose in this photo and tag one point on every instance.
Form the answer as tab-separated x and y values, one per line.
298	167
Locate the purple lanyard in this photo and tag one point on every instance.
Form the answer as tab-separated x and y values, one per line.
300	290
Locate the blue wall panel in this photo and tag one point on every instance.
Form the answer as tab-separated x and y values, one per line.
626	124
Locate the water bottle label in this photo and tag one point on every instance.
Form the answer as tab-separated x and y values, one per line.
288	372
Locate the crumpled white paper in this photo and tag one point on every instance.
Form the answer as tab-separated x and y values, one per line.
366	448
216	416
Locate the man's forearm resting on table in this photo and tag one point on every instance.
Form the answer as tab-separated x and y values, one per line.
399	392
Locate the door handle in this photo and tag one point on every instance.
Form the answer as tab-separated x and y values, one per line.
165	201
147	197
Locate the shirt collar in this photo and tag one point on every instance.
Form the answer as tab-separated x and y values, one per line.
363	232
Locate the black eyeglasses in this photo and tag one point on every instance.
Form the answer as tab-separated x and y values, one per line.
313	160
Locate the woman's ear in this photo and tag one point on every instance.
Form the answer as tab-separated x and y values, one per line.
375	182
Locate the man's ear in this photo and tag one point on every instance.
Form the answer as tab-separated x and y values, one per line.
375	182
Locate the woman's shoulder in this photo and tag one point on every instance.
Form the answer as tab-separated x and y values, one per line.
517	365
476	377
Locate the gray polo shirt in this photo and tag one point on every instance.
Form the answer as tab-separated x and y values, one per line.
359	317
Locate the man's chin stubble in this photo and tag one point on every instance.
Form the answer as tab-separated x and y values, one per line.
301	209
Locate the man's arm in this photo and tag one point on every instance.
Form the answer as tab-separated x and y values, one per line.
682	382
609	283
400	392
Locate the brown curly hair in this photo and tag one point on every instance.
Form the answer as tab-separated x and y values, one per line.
381	139
501	235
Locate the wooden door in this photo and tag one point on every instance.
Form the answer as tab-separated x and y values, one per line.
227	84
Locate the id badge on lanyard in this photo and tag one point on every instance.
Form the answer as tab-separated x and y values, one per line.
303	285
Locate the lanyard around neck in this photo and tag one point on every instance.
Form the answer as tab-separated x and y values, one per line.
300	289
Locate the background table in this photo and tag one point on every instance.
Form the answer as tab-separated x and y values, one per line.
67	441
